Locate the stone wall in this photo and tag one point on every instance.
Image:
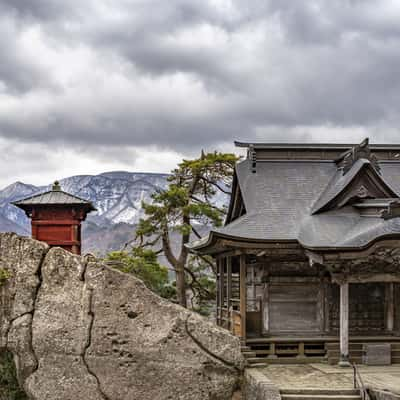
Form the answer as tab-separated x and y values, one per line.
258	387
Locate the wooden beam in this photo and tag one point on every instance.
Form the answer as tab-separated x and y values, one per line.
367	278
260	245
340	254
243	296
344	325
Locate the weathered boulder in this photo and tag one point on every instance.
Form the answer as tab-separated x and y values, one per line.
80	330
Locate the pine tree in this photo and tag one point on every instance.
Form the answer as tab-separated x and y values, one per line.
184	206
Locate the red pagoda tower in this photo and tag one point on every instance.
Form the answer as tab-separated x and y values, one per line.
56	217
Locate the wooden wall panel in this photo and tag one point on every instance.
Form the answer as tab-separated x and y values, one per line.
295	307
367	308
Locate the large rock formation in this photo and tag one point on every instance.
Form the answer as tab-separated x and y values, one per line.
80	330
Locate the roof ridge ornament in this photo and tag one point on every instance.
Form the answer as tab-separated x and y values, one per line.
56	186
252	155
350	157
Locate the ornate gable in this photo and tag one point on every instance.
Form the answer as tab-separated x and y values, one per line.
357	179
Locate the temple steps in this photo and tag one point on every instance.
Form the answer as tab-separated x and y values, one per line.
319	397
262	351
320	394
283	352
304	391
262	361
356	352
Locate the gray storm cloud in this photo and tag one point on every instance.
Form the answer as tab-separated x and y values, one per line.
185	74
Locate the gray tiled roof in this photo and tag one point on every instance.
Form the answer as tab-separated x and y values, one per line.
53	197
279	200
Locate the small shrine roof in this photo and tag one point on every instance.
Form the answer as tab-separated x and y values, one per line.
56	196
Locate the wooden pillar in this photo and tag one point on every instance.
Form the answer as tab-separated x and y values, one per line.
344	325
327	289
265	308
243	296
390	307
222	292
229	289
218	291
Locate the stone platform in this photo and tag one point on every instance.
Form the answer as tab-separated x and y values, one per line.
323	376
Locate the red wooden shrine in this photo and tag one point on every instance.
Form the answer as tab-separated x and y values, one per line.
56	217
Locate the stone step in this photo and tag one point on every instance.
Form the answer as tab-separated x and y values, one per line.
334	361
337	352
322	396
359	355
395	345
285	360
249	354
304	391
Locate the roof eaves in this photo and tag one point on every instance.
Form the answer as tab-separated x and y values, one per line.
312	146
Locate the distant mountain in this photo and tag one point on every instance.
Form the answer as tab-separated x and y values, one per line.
117	196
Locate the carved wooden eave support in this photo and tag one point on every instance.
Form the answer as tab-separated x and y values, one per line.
382	265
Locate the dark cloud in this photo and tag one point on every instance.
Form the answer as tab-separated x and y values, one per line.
184	74
39	10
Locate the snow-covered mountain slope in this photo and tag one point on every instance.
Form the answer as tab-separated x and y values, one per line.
117	196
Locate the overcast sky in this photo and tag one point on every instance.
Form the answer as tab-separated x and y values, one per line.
97	85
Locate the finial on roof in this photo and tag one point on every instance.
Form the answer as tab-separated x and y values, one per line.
251	154
347	160
56	186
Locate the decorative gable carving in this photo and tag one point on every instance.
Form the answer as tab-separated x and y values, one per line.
360	183
350	157
365	186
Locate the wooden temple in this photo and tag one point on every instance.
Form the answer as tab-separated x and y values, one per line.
56	217
309	257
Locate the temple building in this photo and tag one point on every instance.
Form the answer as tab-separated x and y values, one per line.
56	217
309	257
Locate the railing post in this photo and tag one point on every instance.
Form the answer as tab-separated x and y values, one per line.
301	353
